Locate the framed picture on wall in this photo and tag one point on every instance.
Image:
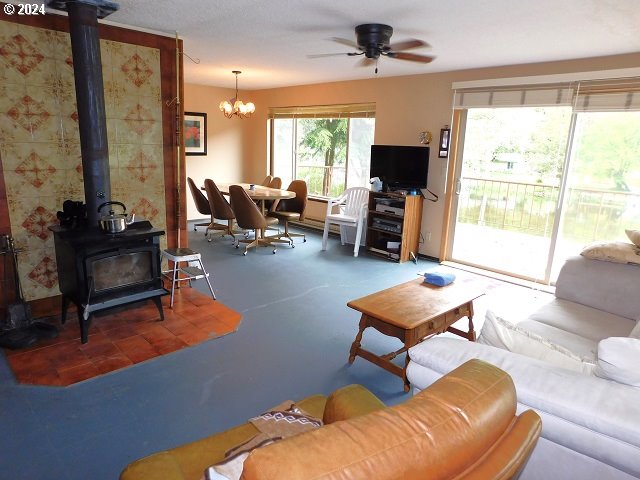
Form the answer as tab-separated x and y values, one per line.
195	133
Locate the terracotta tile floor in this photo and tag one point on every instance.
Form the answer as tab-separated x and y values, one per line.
122	337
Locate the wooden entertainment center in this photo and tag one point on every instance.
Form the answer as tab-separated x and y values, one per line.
394	218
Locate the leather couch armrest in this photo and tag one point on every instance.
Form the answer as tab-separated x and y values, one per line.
350	401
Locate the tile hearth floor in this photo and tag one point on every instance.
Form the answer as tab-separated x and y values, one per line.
120	338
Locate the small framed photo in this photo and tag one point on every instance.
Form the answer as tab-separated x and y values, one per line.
195	133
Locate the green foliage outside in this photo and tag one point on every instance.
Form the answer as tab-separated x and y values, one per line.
513	160
322	146
516	144
608	151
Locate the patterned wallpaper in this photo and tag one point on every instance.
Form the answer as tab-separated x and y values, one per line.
40	144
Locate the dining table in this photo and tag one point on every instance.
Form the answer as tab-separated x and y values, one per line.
260	194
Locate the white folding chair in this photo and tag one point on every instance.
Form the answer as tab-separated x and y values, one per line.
353	211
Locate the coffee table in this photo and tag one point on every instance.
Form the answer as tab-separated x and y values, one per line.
413	312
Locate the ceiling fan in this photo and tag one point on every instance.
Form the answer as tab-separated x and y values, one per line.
372	41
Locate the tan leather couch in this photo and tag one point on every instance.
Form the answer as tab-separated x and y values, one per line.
462	427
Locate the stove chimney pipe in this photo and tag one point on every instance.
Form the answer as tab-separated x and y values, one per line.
92	121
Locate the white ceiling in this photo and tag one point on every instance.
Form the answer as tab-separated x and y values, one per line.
269	40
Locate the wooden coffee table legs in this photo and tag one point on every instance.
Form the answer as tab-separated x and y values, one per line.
471	333
383	361
409	337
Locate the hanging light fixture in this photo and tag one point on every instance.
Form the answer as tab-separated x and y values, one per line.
235	106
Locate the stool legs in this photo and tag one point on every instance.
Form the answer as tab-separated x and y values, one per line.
206	277
174	279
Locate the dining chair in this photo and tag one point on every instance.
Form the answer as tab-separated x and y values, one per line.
267	180
292	209
249	217
202	205
352	205
276	182
221	210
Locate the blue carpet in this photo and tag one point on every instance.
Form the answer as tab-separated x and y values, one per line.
293	341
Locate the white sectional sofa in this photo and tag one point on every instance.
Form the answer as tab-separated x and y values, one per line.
591	425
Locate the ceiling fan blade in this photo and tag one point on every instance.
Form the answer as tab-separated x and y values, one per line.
344	41
411	57
320	55
366	62
408	45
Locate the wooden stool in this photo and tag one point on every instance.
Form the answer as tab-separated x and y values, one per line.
188	272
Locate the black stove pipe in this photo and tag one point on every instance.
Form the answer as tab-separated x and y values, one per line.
92	120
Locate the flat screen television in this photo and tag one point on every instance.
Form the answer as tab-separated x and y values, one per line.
399	166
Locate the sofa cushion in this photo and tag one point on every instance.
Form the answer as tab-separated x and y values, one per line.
616	252
583	347
602	285
618	360
582	320
503	334
634	236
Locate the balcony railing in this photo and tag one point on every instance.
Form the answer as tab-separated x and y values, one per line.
593	214
314	175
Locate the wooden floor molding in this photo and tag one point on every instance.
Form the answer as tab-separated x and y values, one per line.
121	338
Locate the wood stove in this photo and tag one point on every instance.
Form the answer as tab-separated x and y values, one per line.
98	271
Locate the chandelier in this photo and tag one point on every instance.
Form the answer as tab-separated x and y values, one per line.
235	106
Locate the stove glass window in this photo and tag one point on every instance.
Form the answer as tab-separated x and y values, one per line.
121	270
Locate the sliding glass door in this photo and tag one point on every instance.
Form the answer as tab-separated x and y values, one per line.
534	185
508	187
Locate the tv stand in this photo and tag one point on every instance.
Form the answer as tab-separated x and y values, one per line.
394	219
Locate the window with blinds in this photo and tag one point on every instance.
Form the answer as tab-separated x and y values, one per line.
327	146
521	96
608	96
543	169
358	110
584	96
